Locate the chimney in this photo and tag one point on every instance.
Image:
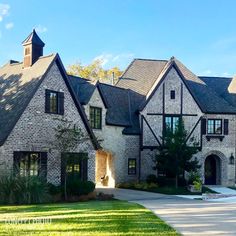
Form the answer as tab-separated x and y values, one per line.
113	78
33	49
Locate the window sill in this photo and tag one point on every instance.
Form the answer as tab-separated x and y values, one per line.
220	137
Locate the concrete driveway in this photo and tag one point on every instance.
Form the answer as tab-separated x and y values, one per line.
189	217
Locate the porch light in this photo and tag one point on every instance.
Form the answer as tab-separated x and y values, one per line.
231	159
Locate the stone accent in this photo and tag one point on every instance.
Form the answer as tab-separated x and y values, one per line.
34	130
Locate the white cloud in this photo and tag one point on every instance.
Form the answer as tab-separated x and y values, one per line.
41	29
9	25
110	60
4	10
207	72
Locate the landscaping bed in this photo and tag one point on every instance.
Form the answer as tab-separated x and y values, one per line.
84	218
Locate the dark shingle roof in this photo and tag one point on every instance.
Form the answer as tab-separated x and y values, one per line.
34	39
223	86
141	74
82	87
122	104
17	86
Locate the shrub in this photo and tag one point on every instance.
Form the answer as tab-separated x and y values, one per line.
151	179
182	182
193	176
16	189
78	187
53	189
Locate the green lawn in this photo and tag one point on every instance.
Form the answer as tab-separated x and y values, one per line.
84	218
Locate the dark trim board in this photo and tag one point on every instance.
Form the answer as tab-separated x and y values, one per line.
149	147
152	131
195	126
161	114
181	99
171	65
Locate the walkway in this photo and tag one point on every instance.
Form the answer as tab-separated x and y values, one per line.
189	217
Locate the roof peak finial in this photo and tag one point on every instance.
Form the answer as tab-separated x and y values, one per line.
172	58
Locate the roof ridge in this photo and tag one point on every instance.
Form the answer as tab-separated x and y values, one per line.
113	86
147	59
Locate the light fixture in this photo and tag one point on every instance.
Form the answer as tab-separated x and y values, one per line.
231	159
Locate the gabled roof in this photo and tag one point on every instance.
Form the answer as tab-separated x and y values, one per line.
18	86
122	104
141	74
144	76
33	38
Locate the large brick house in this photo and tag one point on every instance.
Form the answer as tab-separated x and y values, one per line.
127	119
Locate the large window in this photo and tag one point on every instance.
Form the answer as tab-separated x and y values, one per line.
132	166
214	126
95	117
54	102
30	163
74	166
171	122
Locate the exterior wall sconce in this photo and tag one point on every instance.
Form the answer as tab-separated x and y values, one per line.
231	159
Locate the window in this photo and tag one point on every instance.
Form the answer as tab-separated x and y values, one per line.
214	126
30	163
131	166
75	166
172	94
171	122
54	102
96	117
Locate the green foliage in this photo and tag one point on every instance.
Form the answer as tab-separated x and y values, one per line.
151	179
98	218
197	185
175	157
16	189
94	71
193	176
138	186
76	187
68	136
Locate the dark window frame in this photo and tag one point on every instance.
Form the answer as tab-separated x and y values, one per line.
80	159
172	94
59	107
42	166
171	117
95	124
132	170
214	127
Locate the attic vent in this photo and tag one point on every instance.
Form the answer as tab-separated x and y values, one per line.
13	62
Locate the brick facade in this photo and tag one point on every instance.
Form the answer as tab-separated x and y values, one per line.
34	130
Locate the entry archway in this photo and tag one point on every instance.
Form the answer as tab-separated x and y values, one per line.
212	170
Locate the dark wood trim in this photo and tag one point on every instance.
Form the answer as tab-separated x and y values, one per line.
100	121
101	95
161	114
220	137
163	99
150	147
181	99
174	65
141	136
195	126
152	131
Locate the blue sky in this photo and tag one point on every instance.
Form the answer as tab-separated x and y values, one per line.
202	34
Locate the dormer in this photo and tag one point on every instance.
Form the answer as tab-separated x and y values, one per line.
33	49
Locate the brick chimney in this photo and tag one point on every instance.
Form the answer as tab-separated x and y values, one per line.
33	49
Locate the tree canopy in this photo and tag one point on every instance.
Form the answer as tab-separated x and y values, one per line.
95	71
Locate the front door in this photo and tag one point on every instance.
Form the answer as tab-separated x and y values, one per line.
210	170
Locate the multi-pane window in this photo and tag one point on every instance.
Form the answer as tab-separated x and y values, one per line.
54	102
95	117
131	166
30	163
214	126
171	123
74	166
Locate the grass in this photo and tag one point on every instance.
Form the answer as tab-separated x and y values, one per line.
84	218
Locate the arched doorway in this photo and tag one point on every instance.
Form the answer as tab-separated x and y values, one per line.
212	170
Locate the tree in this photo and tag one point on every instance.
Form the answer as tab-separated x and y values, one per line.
175	156
95	71
68	137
